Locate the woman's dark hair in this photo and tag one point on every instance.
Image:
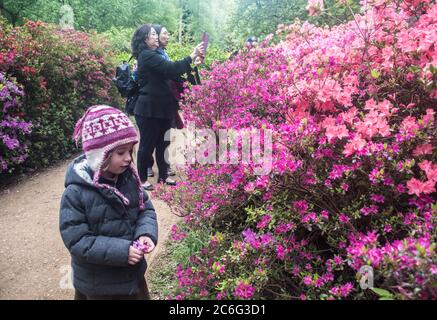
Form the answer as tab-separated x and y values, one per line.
157	28
138	43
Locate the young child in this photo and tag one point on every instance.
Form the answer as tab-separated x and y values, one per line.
105	215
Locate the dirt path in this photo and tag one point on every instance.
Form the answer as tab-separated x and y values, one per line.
34	264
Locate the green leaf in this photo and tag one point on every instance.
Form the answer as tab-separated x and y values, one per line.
382	293
375	74
421	249
414	69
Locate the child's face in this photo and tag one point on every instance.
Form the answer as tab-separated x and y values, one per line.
121	159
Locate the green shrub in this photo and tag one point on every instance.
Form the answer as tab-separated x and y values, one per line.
62	73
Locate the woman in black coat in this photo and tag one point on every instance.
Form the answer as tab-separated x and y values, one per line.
156	105
177	85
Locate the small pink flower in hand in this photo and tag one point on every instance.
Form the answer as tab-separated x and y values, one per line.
144	244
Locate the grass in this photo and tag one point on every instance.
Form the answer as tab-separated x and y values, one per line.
161	277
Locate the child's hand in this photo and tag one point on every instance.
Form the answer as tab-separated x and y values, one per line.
135	256
146	244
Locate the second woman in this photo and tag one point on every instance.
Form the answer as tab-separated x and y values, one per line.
156	105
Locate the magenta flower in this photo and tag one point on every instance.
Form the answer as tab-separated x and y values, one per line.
377	198
244	291
265	220
144	247
344	218
280	252
307	280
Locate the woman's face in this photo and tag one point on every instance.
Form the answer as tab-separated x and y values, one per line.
152	40
163	38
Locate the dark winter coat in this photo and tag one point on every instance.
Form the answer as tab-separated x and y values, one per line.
154	73
98	229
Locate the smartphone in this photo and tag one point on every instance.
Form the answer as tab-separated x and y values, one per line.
205	40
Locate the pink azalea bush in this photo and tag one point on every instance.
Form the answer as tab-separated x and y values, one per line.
352	110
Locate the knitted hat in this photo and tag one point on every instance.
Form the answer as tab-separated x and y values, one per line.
102	129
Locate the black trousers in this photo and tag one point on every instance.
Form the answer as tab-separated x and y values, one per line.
152	132
143	294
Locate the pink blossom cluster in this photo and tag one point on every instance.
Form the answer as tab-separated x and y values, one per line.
354	163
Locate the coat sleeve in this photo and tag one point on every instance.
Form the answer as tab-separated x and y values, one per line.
79	239
168	69
147	224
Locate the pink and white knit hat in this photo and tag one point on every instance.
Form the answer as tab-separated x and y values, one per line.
102	129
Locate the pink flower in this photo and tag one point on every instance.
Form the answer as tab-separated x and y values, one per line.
221	296
409	125
325	214
219	267
266	239
375	256
430	170
346	289
345	186
387	228
337	171
265	220
336	131
319	283
250	187
418	187
423	150
244	291
283	228
357	144
251	238
400	188
344	218
429	187
314	7
301	206
280	252
377	198
296	271
307	280
335	291
369	210
176	234
429	117
338	260
350	115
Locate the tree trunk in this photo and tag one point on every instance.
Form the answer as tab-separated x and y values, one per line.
181	21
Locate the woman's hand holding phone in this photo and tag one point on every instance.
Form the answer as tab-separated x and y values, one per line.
197	52
198	61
